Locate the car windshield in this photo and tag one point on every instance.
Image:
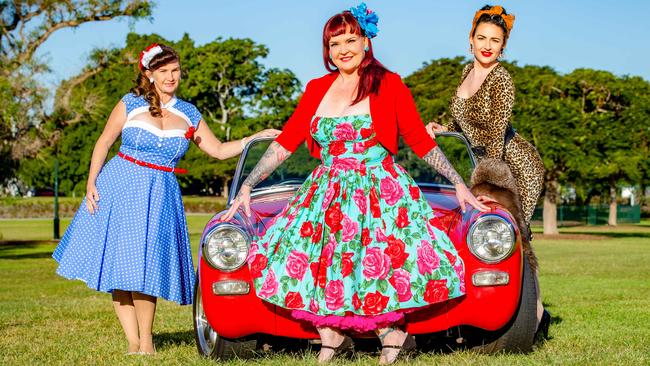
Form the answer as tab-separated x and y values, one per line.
298	166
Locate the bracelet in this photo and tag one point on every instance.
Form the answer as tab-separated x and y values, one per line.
243	143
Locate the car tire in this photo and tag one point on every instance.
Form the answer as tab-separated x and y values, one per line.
518	335
208	342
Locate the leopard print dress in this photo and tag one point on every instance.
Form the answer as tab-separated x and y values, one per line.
484	119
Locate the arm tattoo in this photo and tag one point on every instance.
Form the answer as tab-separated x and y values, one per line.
439	162
272	158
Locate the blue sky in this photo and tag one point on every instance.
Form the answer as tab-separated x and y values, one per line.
565	35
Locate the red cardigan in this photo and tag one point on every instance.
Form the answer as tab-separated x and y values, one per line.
392	110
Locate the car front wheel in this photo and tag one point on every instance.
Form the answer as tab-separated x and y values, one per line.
518	335
208	342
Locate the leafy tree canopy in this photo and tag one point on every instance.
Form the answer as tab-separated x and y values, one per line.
225	79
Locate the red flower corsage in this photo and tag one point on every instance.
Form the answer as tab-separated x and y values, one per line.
190	133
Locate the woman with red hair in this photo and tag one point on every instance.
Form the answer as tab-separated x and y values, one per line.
357	247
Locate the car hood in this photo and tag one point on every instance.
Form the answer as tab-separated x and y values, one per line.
266	206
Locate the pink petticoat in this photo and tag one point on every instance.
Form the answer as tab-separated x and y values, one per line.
354	322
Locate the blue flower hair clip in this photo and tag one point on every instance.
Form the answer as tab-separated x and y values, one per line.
367	19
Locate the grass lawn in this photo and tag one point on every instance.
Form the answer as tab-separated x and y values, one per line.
596	286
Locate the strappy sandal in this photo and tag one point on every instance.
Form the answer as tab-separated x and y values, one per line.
404	351
346	348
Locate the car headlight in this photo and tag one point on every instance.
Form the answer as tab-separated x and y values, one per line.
226	247
491	238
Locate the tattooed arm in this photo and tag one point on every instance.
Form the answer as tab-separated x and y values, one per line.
272	158
437	159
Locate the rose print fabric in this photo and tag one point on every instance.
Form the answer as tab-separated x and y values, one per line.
356	247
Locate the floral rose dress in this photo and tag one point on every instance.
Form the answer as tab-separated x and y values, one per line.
356	247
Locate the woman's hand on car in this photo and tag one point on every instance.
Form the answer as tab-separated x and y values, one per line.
269	132
434	128
242	198
464	197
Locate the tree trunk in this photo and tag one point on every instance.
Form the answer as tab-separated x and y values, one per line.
224	189
611	221
550	207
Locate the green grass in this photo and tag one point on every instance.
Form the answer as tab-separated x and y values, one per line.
43	229
597	289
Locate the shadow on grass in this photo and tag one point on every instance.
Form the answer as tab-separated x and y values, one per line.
22	244
39	255
555	318
164	340
541	338
250	349
243	350
25	249
610	234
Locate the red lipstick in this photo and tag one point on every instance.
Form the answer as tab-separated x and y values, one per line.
486	54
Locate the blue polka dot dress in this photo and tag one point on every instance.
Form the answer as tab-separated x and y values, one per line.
137	240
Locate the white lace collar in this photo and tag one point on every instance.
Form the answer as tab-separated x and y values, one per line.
168	104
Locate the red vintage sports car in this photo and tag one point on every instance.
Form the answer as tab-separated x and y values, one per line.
498	312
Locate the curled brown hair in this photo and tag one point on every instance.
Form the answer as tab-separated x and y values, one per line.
146	88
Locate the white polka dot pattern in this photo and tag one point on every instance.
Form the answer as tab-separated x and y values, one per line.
138	239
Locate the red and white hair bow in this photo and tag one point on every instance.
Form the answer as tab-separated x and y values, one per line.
148	54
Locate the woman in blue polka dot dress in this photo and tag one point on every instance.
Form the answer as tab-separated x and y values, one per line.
129	237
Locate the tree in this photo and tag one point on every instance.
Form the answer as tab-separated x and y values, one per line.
92	95
237	96
590	127
433	85
24	26
637	120
545	115
614	130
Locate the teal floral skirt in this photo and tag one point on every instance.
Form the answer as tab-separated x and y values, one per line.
357	247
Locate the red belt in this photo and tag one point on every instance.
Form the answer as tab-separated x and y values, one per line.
150	165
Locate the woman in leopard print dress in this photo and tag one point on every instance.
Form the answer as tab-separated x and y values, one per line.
481	109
